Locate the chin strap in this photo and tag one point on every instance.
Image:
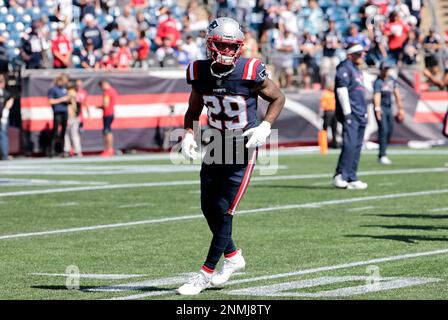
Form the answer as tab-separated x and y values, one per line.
220	75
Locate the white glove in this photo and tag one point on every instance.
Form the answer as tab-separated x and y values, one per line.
257	136
188	146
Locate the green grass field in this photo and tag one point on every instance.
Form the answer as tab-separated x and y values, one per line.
301	238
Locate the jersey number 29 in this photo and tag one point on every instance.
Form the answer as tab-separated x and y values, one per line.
234	108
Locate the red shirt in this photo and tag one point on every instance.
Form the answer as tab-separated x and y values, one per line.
123	58
168	28
63	46
112	94
81	98
143	49
398	33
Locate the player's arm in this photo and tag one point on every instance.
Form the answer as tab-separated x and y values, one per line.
377	104
195	106
269	91
400	113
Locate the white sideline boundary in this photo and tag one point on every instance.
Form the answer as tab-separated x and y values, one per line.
301	272
196	182
242	212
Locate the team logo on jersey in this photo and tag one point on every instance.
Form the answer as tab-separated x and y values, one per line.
263	74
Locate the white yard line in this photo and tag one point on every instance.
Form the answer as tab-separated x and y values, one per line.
65	204
91	276
135	205
242	212
361	208
302	272
196	181
439	209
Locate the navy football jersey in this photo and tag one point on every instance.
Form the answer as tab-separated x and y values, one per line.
230	100
386	88
349	76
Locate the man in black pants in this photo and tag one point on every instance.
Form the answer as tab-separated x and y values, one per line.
58	99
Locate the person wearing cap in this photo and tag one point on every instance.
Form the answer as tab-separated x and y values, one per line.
92	32
351	111
383	88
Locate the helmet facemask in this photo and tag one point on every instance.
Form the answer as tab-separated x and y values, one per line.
224	51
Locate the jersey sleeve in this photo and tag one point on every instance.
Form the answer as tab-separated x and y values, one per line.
192	72
377	86
254	70
342	77
261	73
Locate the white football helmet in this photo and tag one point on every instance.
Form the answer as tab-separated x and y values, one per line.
224	31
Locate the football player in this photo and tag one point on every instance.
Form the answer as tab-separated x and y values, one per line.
229	87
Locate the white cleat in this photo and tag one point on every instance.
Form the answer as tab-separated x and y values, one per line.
385	161
230	266
196	284
338	182
358	184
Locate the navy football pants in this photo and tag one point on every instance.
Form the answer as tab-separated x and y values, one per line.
352	135
222	188
385	129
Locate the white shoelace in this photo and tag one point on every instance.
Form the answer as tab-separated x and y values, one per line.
198	279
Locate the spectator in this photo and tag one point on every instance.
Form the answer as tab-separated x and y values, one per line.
431	46
378	44
32	48
89	57
58	99
93	32
165	52
411	49
72	138
192	49
330	43
62	49
285	46
109	100
415	7
107	62
4	59
243	10
143	23
396	31
357	37
308	66
126	21
167	28
328	109
123	56
142	51
313	23
6	103
195	18
182	55
402	10
250	48
288	17
86	6
139	4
